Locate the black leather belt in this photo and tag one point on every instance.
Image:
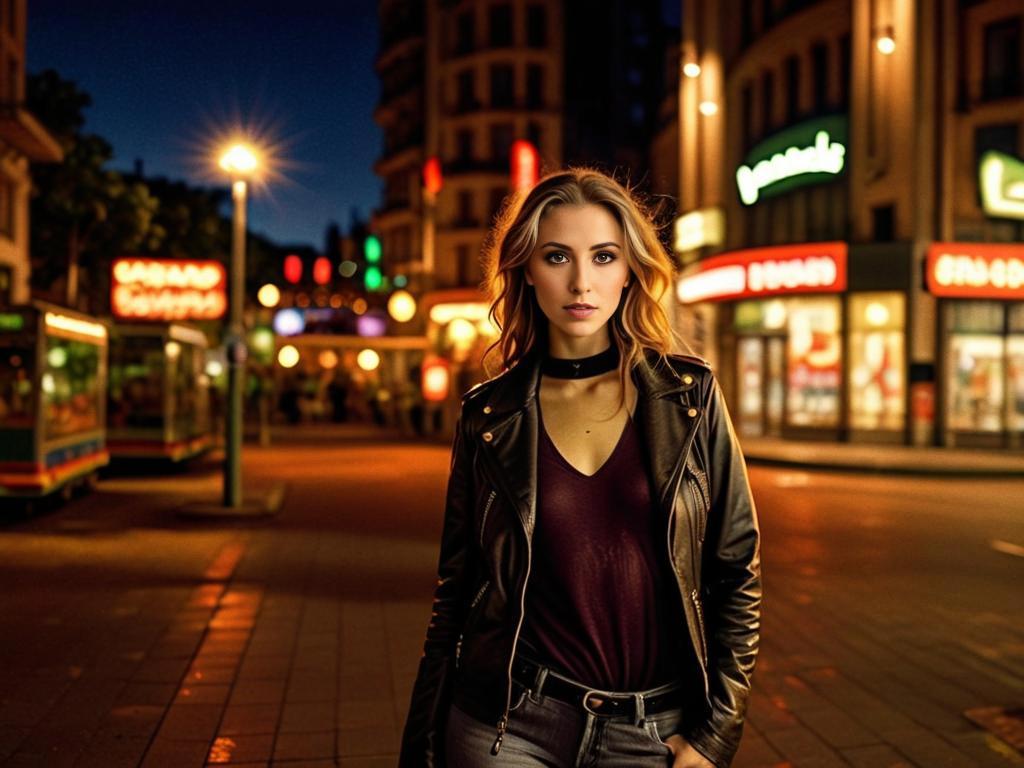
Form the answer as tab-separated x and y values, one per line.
597	702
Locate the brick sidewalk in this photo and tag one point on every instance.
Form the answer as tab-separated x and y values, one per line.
137	639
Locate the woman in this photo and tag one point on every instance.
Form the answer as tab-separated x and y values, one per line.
598	593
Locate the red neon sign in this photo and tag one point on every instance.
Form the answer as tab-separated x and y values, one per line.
432	179
804	268
976	270
525	165
168	289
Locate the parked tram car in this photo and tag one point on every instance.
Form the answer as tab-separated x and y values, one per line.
159	396
53	393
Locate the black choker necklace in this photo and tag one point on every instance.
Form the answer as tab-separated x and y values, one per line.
581	367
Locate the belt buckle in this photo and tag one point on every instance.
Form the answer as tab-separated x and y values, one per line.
586	701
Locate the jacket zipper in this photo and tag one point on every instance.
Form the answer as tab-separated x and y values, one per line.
698	508
483	521
700	624
469	615
503	722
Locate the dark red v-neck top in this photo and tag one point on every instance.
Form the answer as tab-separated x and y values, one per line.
600	604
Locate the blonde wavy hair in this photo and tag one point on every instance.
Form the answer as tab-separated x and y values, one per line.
640	320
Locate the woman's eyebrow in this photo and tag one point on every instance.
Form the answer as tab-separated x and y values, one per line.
593	247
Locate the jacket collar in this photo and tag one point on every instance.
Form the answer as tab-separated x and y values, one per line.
666	411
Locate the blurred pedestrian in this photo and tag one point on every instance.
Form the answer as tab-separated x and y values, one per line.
598	590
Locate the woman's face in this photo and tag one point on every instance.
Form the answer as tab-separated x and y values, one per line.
579	259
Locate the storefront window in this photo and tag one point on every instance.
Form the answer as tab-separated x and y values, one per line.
72	385
751	386
1015	368
813	362
877	365
976	368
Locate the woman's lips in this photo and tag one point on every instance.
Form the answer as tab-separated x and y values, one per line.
580	313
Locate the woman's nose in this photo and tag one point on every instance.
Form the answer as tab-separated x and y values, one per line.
580	280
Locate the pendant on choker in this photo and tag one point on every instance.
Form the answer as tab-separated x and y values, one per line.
581	367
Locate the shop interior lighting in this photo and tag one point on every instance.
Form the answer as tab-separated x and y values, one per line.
443	314
885	43
876	313
74	325
691	69
708	108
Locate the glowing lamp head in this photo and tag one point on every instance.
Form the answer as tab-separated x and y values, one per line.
402	306
886	45
288	356
368	359
691	69
269	295
239	160
708	108
434	382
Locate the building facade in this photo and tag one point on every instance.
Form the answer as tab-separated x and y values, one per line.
22	140
463	79
850	212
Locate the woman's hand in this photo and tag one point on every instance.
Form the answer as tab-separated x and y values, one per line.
685	756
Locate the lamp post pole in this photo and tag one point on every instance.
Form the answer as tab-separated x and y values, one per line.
236	351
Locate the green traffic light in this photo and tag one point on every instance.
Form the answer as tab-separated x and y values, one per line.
371	249
372	278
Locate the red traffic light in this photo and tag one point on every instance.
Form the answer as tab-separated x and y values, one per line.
292	268
322	271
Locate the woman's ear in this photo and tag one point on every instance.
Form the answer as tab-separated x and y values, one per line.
526	274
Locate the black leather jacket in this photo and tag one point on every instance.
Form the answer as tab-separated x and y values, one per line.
711	532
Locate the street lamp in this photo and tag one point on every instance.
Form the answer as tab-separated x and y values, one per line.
240	161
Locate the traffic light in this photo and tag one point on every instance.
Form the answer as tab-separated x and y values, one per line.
372	278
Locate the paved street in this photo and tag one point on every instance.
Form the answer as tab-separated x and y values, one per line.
134	637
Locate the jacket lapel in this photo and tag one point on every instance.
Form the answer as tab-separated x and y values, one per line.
508	438
668	415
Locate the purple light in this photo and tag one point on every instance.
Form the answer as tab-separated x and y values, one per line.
371	325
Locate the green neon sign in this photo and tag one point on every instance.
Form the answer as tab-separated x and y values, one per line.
11	322
1001	182
812	152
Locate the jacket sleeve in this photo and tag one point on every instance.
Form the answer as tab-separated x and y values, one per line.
732	585
423	737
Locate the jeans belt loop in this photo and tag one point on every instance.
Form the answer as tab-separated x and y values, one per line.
538	684
640	714
586	701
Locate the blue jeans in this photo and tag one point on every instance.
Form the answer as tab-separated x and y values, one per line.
545	732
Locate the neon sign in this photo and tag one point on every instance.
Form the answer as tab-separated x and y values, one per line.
808	153
806	268
1001	181
976	270
168	289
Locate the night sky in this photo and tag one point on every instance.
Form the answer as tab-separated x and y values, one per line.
165	76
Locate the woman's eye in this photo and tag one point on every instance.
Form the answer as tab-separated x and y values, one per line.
609	260
551	254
